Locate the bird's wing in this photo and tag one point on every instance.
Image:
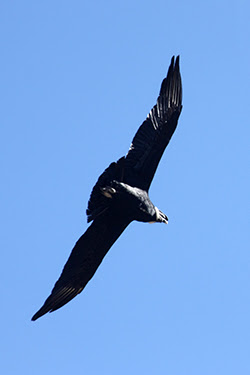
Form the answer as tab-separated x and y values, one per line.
154	134
84	260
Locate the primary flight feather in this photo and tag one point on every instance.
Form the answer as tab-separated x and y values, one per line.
121	194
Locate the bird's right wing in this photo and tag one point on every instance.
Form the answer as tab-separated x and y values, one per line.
139	165
84	260
154	134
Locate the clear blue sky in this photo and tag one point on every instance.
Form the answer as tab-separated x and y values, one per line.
77	80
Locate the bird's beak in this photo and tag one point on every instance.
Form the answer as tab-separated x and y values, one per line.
161	217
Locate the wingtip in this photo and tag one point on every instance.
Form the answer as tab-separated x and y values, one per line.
59	297
175	60
39	313
171	87
175	63
35	317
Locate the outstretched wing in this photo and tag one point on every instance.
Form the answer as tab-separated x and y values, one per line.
139	165
154	134
84	260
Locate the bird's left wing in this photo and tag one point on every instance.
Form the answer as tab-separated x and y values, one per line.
84	260
154	134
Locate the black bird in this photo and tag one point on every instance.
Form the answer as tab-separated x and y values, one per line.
121	194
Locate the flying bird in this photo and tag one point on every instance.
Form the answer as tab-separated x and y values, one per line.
121	194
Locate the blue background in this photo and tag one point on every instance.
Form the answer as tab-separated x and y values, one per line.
77	80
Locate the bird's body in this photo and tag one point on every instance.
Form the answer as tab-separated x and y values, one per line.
120	195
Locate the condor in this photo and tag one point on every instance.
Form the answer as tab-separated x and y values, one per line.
121	194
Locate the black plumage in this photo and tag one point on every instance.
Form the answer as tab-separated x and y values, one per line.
121	194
